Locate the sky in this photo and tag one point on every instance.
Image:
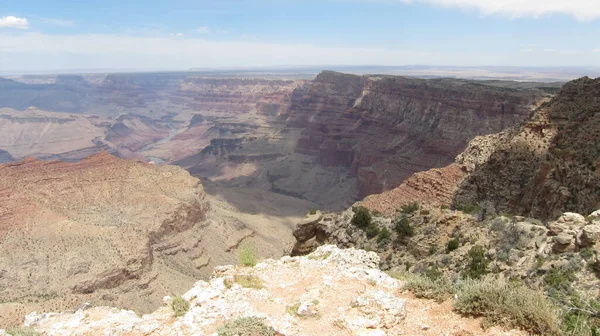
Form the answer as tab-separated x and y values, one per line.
42	35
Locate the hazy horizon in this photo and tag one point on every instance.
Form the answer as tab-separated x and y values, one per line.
58	36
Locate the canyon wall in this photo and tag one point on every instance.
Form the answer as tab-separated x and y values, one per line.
546	165
386	128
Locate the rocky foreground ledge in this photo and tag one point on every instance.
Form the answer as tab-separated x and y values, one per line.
331	291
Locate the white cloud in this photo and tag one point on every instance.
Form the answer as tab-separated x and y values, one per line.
13	22
597	50
202	30
581	9
526	50
549	50
58	22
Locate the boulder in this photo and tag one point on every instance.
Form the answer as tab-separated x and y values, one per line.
306	228
590	235
568	222
564	242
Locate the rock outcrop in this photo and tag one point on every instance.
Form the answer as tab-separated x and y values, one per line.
331	291
546	165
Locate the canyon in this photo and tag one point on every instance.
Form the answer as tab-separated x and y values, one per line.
121	189
331	141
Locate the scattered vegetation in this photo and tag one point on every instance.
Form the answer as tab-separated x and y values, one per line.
403	228
248	281
384	237
580	316
362	217
293	309
250	326
477	263
179	306
433	285
372	230
468	208
20	331
452	245
510	304
586	253
313	211
410	208
247	255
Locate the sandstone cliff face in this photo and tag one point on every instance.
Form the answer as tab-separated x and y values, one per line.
544	166
368	132
387	128
99	224
109	231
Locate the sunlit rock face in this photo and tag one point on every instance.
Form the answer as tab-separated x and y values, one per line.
386	128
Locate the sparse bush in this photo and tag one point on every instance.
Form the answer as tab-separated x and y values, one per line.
20	331
248	281
452	245
313	211
372	231
384	237
587	253
477	264
179	306
512	305
580	316
247	255
560	279
438	288
247	326
468	208
362	217
432	249
403	228
498	224
410	208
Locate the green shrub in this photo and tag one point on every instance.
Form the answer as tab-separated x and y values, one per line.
362	217
403	228
313	211
438	288
247	326
179	306
432	249
372	231
247	255
468	208
580	316
452	245
587	253
477	263
498	224
559	280
511	305
384	237
410	208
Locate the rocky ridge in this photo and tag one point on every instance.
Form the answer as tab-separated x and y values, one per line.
110	231
545	165
340	292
